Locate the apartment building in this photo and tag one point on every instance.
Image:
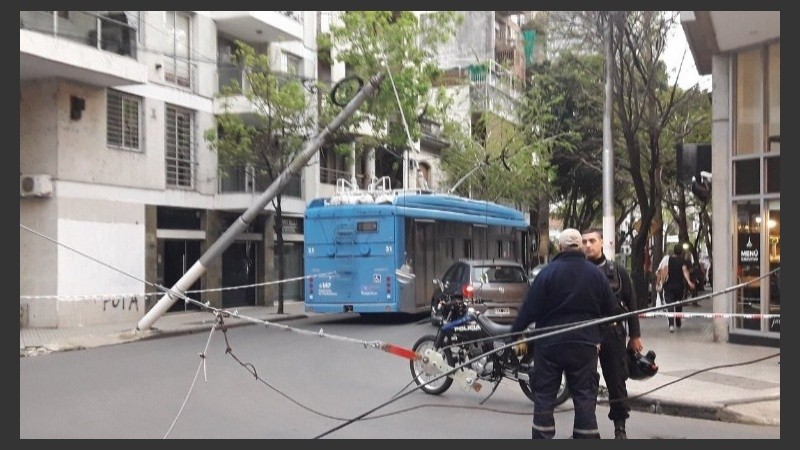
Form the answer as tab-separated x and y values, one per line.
119	192
484	65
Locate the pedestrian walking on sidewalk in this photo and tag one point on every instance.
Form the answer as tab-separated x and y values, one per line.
678	277
613	350
568	290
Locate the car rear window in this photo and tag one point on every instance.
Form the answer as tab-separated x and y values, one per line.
499	274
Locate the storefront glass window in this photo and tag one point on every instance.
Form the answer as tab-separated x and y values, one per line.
774	107
749	102
746	177
747	253
774	235
756	187
773	174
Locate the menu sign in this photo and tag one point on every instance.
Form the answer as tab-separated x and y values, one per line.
749	253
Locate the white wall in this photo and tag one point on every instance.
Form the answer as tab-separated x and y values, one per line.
114	234
37	127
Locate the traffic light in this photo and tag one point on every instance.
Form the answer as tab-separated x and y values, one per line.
692	159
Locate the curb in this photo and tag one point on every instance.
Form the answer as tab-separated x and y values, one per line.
708	411
124	337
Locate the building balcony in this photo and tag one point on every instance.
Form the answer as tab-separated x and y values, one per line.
82	46
431	138
230	76
260	26
513	60
488	75
253	179
329	175
505	40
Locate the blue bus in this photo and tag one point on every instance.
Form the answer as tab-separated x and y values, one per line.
379	251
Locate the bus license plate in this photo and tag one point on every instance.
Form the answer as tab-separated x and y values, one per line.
502	311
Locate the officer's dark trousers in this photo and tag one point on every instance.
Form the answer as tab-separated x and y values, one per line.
579	363
615	370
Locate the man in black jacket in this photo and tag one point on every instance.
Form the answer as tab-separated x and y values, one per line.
613	357
567	291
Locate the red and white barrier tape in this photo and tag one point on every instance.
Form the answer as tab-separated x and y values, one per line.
683	315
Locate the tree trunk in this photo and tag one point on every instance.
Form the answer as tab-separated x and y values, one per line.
279	248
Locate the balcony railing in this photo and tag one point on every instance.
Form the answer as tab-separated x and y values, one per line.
107	31
430	127
489	75
251	179
493	74
329	175
227	73
504	39
513	60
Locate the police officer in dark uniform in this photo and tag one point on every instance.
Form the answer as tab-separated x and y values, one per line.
613	356
567	291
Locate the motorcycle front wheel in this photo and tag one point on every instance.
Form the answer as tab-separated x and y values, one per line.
563	390
417	367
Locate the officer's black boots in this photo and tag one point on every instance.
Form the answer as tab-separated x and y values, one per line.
619	429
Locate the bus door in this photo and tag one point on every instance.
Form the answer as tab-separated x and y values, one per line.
423	261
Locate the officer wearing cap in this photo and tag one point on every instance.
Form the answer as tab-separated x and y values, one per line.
567	291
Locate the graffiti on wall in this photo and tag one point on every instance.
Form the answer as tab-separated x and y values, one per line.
121	303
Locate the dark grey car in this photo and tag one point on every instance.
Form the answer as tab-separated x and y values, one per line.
496	287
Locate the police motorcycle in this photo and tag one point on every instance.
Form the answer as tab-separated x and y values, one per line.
472	343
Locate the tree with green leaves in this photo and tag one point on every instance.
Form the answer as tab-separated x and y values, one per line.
395	43
269	137
645	103
576	81
508	161
498	168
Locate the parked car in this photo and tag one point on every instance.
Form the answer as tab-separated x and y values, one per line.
495	287
535	271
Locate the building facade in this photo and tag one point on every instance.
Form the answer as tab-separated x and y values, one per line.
119	192
742	52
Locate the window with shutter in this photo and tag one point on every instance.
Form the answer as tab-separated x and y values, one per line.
179	129
123	121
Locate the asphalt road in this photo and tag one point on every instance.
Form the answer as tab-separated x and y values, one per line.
275	384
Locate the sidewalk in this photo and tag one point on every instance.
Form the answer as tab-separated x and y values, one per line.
740	393
690	359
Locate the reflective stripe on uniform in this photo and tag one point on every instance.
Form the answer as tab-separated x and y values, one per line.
544	428
591	432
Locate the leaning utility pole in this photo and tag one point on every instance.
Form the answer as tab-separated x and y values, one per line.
241	224
609	228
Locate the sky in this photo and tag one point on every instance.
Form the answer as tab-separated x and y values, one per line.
676	46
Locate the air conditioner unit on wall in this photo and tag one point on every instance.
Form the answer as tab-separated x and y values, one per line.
38	185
